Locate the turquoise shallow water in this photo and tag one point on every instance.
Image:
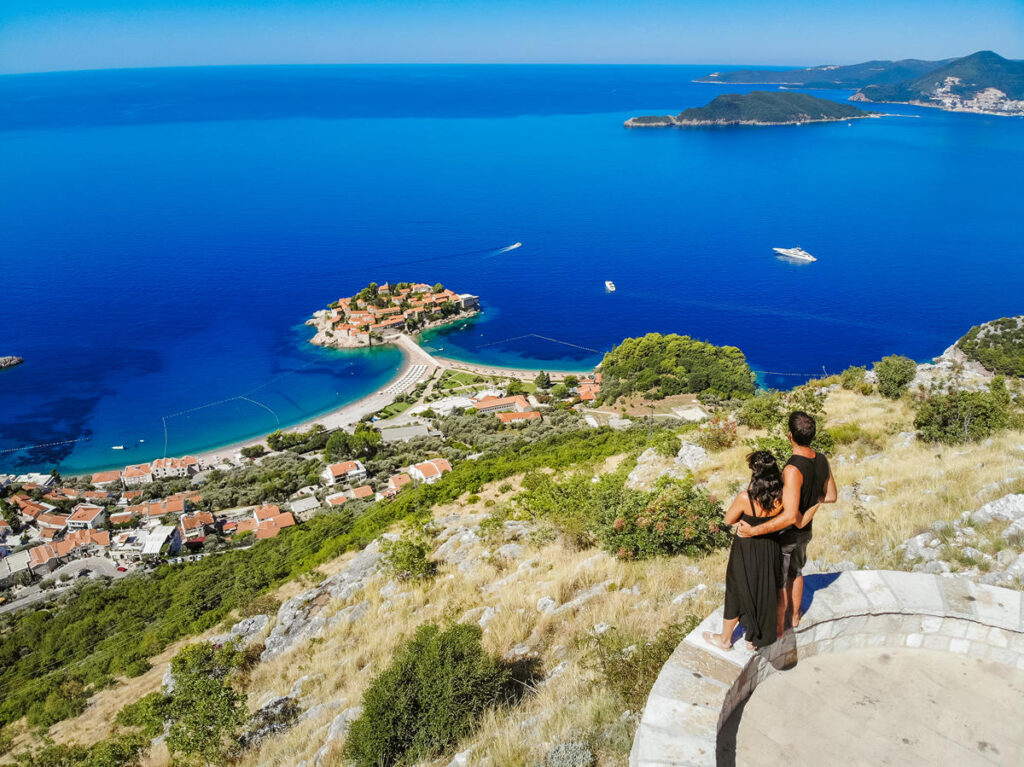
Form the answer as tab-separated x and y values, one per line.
166	232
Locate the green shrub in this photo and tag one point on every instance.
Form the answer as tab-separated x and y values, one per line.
666	443
406	559
205	711
431	695
676	517
853	379
120	751
718	434
629	663
961	416
762	411
146	714
846	433
895	373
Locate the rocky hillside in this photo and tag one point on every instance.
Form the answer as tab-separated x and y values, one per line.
996	346
981	82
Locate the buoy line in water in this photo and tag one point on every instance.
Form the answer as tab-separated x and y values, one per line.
43	444
544	338
244	396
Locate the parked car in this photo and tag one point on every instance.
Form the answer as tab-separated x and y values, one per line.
122	569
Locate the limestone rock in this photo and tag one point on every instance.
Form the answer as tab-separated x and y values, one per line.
546	604
584	596
245	631
302	616
689	594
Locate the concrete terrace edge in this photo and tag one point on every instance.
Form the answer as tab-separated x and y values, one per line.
700	686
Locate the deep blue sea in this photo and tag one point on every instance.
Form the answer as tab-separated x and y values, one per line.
165	233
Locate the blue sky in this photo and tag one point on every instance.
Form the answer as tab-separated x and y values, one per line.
41	35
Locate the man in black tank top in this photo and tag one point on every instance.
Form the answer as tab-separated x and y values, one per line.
807	481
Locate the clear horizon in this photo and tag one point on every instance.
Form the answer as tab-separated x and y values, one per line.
70	35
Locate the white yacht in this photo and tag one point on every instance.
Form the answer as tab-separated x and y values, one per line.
798	253
609	286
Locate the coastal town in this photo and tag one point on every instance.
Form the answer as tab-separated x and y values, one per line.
380	313
55	530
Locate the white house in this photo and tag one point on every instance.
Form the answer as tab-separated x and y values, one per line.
139	474
175	467
346	471
85	516
429	471
33	478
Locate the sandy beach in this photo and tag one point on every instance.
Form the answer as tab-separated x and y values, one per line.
347	416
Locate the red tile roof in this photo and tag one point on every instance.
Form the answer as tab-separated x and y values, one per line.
138	470
269	511
529	415
102	477
340	469
85	512
271	527
434	467
362	492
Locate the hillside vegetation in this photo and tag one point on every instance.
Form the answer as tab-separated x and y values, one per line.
997	345
976	72
768	107
657	366
573	563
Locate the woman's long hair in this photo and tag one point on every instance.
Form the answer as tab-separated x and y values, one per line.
765	487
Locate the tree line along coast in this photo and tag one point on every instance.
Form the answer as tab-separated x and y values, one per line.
600	470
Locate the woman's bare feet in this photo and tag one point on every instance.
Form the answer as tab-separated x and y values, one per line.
716	640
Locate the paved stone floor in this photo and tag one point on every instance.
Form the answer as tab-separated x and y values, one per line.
881	707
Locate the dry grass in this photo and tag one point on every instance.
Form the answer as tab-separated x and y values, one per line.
913	485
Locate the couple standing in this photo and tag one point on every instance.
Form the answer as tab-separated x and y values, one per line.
764	583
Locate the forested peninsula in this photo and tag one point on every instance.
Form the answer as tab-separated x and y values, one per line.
755	108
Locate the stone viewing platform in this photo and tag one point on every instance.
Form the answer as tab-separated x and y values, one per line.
889	636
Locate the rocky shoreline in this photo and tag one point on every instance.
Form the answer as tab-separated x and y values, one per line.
10	362
670	121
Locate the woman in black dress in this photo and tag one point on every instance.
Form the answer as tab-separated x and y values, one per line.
753	578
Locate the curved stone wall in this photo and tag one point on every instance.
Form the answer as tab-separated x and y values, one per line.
700	686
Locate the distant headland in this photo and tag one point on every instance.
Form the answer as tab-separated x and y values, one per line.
755	108
983	82
379	314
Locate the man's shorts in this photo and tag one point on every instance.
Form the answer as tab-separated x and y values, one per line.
794	552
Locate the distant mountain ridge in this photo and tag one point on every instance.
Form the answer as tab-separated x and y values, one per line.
983	82
831	76
755	108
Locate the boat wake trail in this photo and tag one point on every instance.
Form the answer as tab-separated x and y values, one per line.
486	253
